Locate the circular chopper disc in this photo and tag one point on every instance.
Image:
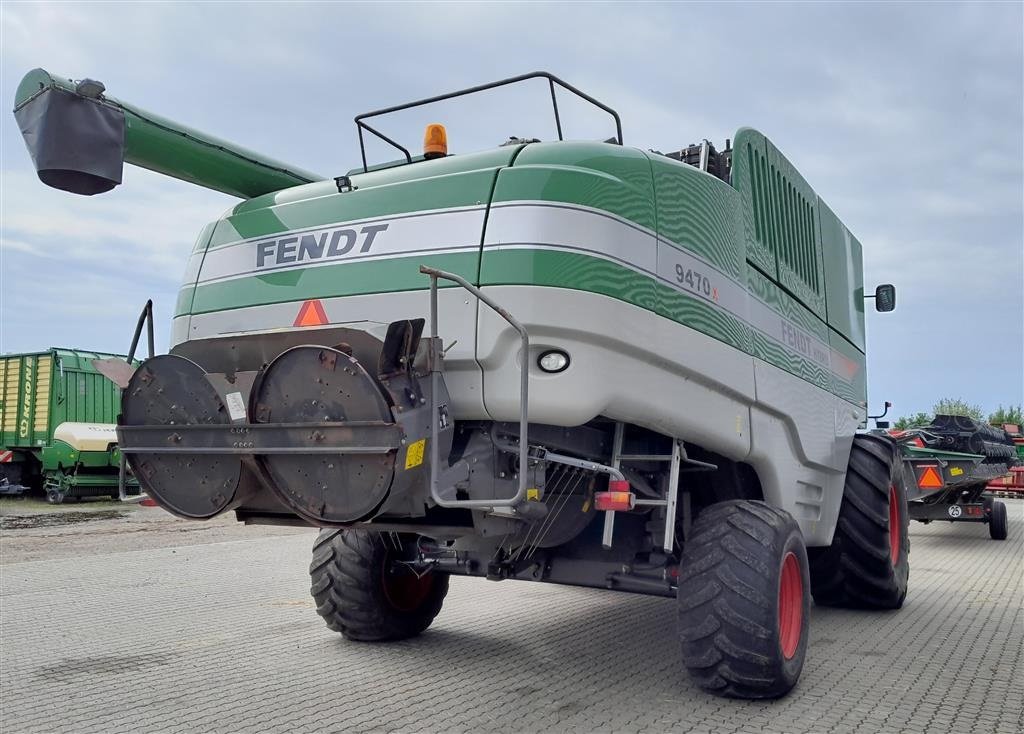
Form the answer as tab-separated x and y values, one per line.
168	390
312	384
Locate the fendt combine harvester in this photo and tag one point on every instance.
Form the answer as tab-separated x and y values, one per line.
643	372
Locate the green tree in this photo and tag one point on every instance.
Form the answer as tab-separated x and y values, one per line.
1012	414
956	406
912	421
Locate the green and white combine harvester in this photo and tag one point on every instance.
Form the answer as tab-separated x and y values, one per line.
571	362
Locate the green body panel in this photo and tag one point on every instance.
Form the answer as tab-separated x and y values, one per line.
844	277
42	390
770	250
700	213
167	147
445	190
781	219
798	258
59	454
748	172
447	183
918	452
771	351
608	177
849	370
343	279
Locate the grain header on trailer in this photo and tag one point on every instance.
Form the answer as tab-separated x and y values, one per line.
570	361
948	467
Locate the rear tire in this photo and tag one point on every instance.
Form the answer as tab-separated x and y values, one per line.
997	526
867	566
362	593
744	600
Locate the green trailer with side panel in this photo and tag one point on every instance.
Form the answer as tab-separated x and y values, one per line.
57	425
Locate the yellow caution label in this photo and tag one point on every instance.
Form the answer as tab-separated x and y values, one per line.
955	471
533	494
414	456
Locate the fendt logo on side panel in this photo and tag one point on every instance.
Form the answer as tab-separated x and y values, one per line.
317	245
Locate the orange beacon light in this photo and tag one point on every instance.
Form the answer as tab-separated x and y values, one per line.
435	141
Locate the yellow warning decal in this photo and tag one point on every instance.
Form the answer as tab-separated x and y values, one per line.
533	495
956	471
414	456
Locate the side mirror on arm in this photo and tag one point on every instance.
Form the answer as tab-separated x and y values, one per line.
885	298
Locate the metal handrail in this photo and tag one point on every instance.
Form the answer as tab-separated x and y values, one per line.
551	79
435	384
145	319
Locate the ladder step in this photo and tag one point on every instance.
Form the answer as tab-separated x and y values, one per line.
646	457
651	503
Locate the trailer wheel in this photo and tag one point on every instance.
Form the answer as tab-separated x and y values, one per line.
744	600
867	565
362	593
997	527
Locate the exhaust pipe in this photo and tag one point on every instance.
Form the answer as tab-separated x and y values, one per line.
79	138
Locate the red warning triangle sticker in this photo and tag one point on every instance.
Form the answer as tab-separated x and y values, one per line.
930	479
311	313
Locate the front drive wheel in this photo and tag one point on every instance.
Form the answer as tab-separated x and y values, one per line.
363	592
744	600
997	521
867	566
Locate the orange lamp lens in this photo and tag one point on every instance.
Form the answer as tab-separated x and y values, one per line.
435	141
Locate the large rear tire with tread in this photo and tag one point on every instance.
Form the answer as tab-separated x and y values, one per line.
997	527
867	566
362	593
744	600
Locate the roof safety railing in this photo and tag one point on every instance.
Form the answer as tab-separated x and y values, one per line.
552	81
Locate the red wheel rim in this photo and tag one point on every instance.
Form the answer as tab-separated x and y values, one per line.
791	605
406	591
894	525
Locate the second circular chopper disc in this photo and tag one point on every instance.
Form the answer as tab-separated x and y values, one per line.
312	384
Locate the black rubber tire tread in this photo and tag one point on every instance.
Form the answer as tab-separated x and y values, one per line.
348	587
728	600
857	570
997	523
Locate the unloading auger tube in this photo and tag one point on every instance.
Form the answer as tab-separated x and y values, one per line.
79	138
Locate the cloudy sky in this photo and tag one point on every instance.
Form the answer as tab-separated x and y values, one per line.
906	118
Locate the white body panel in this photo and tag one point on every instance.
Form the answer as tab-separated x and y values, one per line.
670	378
86	436
457	317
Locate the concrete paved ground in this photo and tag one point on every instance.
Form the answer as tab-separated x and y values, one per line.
144	623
